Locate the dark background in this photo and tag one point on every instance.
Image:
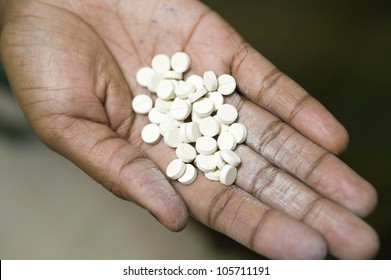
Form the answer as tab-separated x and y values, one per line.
339	52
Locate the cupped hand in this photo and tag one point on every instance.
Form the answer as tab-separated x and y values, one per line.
72	66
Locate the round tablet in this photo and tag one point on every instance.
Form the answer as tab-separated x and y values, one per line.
180	109
239	131
220	163
142	104
161	63
163	106
217	99
182	133
226	84
198	94
154	116
206	145
150	133
154	81
213	175
203	107
165	90
226	141
209	127
205	163
171	137
180	62
230	157
189	176
173	75
210	80
227	114
175	169
186	152
193	131
196	80
228	175
184	89
144	75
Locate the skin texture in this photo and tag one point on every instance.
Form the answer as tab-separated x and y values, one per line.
72	66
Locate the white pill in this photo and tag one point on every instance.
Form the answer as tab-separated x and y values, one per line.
220	163
230	157
197	94
182	133
171	137
154	81
180	62
165	90
227	84
217	99
226	141
161	63
210	81
206	145
154	116
184	89
163	106
223	127
239	131
180	109
213	175
173	75
195	117
193	131
209	127
228	175
175	169
185	152
142	104
150	133
203	107
144	75
197	81
189	176
205	163
227	114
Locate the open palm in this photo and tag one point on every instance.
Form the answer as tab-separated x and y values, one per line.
72	66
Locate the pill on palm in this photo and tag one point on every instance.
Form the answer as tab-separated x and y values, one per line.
209	126
180	62
197	94
216	98
227	114
213	175
206	145
196	80
210	81
230	157
205	163
142	104
172	75
227	84
226	141
144	75
175	169
186	152
180	109
193	131
184	89
203	107
150	134
154	116
161	63
171	137
228	175
189	176
239	131
154	81
165	90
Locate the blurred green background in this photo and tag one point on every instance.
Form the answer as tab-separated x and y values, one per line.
339	51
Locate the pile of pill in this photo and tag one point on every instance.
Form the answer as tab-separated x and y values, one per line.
191	117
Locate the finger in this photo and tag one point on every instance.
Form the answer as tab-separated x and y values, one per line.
242	217
347	236
265	85
122	168
286	148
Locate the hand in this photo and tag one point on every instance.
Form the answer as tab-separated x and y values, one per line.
72	66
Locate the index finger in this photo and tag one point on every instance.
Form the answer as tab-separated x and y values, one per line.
260	81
